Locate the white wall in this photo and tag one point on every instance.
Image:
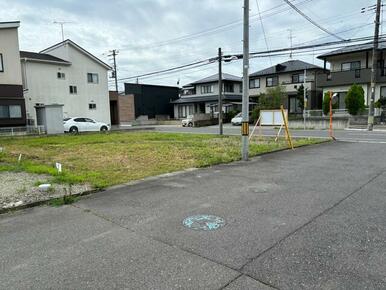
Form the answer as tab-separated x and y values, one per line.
44	86
9	48
336	61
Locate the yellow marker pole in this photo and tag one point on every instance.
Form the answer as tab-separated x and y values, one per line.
286	127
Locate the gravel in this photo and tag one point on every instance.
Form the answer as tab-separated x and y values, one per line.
19	188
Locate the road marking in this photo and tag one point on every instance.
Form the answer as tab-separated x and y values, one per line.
362	141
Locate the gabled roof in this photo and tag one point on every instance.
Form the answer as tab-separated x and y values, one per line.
285	67
42	57
354	48
73	44
206	98
10	24
214	78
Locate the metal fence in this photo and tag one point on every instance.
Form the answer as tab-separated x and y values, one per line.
22	131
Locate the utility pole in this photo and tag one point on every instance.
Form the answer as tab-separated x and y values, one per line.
220	91
114	53
245	103
305	98
374	67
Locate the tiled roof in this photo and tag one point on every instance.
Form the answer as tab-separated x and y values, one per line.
209	98
354	48
41	57
214	78
288	66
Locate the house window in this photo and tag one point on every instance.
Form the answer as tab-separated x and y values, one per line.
383	92
346	66
73	90
228	88
92	106
92	78
272	81
297	78
207	89
254	84
357	73
61	75
294	105
1	63
10	112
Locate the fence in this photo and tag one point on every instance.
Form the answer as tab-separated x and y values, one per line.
341	113
22	131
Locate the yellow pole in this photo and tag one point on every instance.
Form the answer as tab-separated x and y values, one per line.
286	127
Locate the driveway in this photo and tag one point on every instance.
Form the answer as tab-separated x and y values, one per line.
313	218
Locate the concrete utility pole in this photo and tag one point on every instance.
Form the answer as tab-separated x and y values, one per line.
374	66
220	91
114	53
304	98
245	104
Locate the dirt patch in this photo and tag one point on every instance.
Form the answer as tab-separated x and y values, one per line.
19	188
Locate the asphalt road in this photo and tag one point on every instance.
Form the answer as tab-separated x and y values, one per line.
313	218
353	135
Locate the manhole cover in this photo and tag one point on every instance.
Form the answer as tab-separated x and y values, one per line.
204	222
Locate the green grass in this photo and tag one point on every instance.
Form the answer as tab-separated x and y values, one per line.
108	159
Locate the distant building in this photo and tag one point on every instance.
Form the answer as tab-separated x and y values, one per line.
290	75
12	104
352	65
151	100
122	108
66	74
202	96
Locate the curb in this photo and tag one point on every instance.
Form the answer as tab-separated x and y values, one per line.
150	178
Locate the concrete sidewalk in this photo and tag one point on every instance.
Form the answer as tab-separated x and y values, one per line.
309	219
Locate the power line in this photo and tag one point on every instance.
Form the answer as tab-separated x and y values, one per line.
312	21
262	27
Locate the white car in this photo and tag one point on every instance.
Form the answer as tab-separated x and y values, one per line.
80	124
188	121
237	120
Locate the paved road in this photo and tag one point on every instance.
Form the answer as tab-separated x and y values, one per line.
378	136
313	218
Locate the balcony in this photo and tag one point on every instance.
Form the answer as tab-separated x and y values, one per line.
341	78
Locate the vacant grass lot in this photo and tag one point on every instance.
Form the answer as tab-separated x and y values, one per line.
108	159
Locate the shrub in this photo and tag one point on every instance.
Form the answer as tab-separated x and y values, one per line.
326	104
355	100
269	101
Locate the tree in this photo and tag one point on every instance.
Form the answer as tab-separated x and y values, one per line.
270	101
326	104
300	97
355	100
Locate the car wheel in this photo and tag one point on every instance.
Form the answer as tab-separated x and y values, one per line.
74	130
104	129
190	124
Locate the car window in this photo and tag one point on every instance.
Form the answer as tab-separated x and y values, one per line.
66	119
79	120
89	120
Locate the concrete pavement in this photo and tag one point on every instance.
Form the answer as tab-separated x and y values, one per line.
352	135
309	219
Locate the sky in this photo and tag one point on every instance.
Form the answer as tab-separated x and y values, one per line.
153	35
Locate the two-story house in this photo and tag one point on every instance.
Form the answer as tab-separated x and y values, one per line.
69	75
289	75
352	65
202	96
12	105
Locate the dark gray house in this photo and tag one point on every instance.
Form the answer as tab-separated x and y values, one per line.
289	75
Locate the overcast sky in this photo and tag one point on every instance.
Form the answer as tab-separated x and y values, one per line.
157	34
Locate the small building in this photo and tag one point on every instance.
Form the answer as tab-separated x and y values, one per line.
289	75
152	101
12	103
352	65
202	96
67	74
122	108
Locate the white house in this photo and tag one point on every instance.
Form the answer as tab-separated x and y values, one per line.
69	75
12	107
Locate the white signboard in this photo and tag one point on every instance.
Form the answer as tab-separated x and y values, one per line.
272	117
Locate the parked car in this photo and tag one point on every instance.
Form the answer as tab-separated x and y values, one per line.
188	121
237	120
79	124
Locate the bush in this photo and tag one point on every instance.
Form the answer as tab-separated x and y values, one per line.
355	100
326	104
269	101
